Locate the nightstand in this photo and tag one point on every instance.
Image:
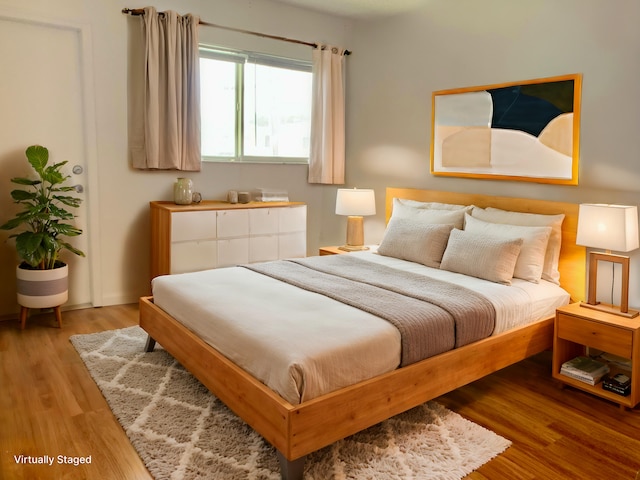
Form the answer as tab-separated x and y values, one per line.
331	251
577	328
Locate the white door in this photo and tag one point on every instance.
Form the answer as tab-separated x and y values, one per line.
43	101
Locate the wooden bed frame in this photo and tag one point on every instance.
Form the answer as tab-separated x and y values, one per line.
297	430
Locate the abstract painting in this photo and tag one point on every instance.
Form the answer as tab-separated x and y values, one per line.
527	131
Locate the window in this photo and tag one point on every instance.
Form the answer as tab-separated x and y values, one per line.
254	107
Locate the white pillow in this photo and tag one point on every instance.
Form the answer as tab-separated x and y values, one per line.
550	270
428	215
415	241
535	239
482	256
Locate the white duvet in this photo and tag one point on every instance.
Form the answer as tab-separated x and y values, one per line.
302	344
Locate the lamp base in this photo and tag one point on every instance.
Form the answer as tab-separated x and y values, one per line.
353	248
603	307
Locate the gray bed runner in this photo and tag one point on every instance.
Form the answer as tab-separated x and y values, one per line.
432	316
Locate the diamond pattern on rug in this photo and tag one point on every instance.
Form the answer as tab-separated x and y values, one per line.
183	432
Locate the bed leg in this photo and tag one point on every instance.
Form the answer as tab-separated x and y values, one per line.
290	469
151	343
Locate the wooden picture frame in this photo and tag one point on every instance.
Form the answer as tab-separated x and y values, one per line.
524	131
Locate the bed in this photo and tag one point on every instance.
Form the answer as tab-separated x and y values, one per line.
296	426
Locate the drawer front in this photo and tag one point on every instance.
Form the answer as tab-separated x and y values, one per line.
609	338
193	226
292	245
233	252
293	219
263	248
233	223
263	221
193	256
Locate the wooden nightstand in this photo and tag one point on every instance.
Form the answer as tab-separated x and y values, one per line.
577	327
331	251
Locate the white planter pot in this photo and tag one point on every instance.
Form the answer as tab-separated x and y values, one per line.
42	288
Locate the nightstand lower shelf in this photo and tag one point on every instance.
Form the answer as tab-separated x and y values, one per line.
623	401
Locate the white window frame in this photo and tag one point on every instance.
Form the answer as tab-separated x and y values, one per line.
241	58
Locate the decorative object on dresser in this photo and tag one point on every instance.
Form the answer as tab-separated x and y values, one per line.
42	278
183	191
187	238
355	203
610	227
578	330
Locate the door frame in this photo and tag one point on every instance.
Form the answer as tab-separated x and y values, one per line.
83	32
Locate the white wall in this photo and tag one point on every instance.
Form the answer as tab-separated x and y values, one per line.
399	62
122	193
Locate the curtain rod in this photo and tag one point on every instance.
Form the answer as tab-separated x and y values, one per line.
140	11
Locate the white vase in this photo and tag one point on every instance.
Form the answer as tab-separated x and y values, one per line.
42	288
183	191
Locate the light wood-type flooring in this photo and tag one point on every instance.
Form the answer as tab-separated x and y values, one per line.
49	405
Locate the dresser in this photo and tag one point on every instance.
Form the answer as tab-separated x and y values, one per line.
188	238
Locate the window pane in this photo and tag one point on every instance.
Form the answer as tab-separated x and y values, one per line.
218	107
277	111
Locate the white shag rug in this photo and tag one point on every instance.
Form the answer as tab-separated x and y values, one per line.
182	432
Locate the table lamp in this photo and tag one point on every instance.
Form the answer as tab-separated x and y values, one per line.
355	203
609	227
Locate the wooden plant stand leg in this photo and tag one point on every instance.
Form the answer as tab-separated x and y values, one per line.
58	314
23	316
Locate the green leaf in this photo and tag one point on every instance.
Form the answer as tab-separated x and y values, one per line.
72	249
69	201
38	157
53	176
66	229
21	195
25	181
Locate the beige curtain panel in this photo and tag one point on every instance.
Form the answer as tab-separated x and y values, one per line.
165	98
327	156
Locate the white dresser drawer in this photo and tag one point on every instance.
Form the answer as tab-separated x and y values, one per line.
193	226
293	219
193	256
233	223
264	221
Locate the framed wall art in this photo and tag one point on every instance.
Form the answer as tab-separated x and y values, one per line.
525	131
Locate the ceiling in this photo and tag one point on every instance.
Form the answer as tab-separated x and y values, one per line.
357	8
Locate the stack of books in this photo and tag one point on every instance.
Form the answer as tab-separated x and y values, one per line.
585	369
618	383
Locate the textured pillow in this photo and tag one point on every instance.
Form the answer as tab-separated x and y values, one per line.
428	215
431	205
482	256
550	269
415	241
534	246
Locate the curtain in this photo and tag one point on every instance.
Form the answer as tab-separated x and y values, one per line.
326	160
165	110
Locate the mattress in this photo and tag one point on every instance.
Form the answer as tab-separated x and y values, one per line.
302	344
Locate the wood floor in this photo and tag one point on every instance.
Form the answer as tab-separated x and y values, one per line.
49	405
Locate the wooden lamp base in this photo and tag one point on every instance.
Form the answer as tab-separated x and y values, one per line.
355	234
623	310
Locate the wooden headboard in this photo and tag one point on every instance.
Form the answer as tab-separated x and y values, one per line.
572	263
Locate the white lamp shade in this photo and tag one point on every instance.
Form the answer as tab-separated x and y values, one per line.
355	202
610	227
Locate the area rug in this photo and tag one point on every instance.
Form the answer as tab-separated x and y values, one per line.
182	432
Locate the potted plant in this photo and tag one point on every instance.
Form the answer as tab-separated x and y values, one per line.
42	276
